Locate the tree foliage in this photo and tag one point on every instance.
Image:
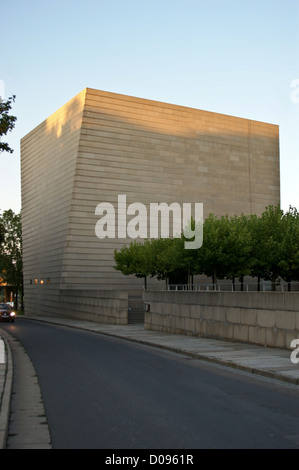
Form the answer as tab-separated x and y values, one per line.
7	122
11	266
266	247
133	260
289	246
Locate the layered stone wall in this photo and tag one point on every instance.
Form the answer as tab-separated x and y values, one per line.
101	145
266	318
109	307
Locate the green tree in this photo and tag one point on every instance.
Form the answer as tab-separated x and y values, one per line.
165	256
189	258
133	260
7	122
11	266
1	232
237	248
266	247
267	235
289	261
161	258
211	257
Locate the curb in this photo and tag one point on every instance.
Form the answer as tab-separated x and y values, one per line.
262	372
6	397
213	360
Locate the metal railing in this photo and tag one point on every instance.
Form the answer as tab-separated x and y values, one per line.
265	286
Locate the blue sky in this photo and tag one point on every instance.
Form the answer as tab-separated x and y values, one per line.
233	57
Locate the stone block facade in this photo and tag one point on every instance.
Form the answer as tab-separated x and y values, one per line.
100	145
265	318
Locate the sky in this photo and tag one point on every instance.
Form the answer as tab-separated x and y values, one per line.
235	57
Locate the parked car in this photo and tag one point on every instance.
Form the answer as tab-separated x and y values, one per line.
7	313
12	304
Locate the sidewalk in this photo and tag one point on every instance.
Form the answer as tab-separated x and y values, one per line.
6	377
270	362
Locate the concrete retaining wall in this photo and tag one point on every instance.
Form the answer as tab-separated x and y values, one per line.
101	306
266	318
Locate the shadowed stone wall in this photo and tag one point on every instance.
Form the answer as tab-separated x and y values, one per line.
266	318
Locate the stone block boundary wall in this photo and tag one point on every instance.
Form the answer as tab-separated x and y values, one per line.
102	306
265	318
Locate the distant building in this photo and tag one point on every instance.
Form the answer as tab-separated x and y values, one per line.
6	292
101	145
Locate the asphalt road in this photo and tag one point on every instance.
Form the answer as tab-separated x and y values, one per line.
105	393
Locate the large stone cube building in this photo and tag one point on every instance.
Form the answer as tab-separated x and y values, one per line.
101	145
